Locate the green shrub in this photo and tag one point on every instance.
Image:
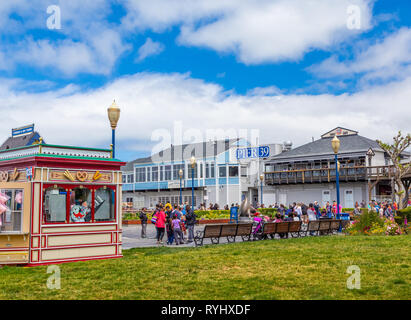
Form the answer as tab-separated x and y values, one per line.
405	213
363	223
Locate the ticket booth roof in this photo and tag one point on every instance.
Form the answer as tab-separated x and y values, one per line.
47	155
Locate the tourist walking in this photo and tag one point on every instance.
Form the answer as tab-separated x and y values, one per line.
160	224
143	219
190	222
178	234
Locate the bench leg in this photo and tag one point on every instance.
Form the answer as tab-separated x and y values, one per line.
246	238
230	239
198	241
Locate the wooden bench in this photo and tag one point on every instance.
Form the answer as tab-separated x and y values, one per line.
335	226
211	231
323	226
244	231
269	229
294	228
282	228
230	231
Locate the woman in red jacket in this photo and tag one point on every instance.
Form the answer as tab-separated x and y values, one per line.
160	224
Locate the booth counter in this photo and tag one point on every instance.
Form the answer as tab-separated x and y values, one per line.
59	204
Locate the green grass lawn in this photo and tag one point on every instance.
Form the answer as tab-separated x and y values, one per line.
304	268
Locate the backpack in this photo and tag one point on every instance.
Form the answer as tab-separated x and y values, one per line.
154	218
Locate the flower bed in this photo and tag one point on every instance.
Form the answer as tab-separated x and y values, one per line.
370	223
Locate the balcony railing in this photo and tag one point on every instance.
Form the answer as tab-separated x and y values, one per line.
358	173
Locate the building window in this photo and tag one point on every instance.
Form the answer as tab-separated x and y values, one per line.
212	170
148	174
54	205
124	178
244	171
222	172
104	204
190	170
176	169
233	171
80	205
154	174
167	173
161	173
130	178
140	174
207	170
11	213
201	170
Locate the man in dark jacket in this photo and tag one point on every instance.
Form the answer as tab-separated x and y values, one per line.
143	219
190	222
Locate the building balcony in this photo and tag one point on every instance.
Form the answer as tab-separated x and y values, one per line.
324	175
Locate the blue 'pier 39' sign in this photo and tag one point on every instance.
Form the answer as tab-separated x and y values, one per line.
254	152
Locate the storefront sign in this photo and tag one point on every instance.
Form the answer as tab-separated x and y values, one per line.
255	152
22	130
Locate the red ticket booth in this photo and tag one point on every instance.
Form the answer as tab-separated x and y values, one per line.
59	204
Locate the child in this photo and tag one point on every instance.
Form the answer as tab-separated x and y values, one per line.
178	234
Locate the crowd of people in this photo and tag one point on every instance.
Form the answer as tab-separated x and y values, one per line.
176	222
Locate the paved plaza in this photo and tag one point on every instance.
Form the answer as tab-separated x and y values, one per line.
132	238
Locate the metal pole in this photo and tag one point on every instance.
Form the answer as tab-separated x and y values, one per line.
113	139
192	187
181	195
337	178
261	193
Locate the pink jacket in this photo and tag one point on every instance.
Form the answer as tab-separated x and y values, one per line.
161	220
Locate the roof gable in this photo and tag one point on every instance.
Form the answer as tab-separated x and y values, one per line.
339	131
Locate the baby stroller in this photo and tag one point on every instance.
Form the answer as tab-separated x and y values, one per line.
258	226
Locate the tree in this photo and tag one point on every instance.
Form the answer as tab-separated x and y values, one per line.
401	171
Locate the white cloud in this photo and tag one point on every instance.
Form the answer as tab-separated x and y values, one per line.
386	59
149	48
86	42
154	101
255	31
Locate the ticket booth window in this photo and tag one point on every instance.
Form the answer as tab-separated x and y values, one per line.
80	205
11	210
55	205
104	205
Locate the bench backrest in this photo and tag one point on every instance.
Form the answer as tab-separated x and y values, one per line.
212	230
313	225
335	224
269	228
228	230
282	227
295	226
244	229
324	225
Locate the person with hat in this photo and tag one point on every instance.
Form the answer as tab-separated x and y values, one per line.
169	224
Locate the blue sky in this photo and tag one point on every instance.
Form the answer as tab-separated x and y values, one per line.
291	69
